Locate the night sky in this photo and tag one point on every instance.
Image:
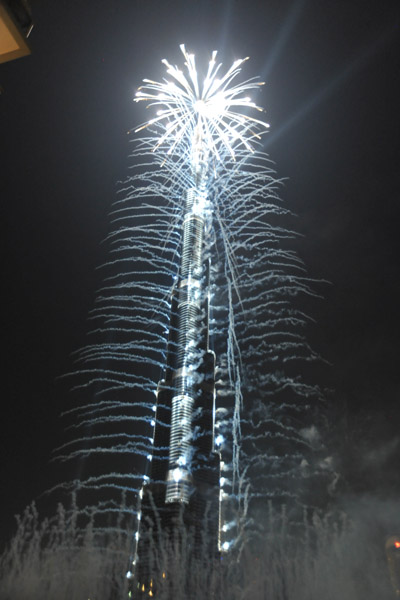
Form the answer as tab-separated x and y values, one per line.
332	99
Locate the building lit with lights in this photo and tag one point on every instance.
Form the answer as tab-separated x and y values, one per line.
181	495
180	501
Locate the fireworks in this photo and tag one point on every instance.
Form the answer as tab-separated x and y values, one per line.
208	114
202	146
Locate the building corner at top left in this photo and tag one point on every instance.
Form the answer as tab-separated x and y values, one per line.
16	25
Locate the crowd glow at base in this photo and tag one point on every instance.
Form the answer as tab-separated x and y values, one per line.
336	558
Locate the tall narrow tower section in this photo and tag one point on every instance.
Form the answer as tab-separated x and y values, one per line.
191	443
181	494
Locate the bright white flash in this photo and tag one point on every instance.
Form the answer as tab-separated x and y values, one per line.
207	114
177	474
219	439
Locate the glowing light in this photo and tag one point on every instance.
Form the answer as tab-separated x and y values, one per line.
397	544
225	546
206	114
177	474
219	439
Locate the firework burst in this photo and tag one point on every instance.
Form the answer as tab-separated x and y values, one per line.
207	114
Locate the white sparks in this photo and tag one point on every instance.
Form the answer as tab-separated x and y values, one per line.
206	114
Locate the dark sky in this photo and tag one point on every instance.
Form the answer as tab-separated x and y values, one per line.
332	74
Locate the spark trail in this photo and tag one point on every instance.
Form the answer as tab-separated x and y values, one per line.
201	129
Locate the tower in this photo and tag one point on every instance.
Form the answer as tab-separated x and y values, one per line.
181	495
180	500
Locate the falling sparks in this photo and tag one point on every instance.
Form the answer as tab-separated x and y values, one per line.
256	325
206	113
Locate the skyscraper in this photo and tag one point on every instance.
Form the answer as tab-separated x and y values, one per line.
181	495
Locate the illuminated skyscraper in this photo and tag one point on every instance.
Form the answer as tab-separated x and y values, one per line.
181	494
